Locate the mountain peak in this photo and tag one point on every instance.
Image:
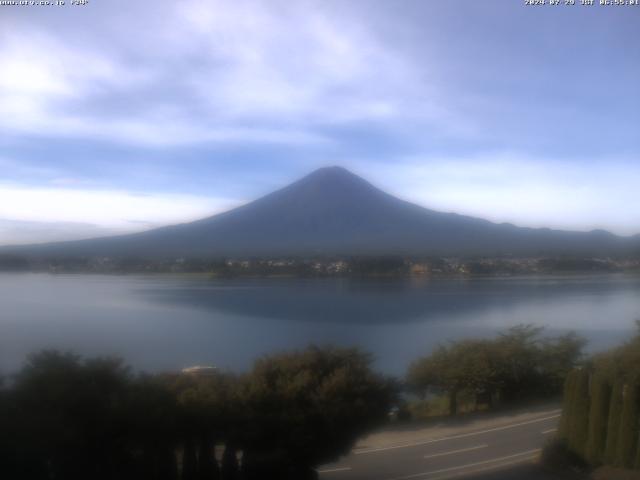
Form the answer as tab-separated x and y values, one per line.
334	211
334	177
333	172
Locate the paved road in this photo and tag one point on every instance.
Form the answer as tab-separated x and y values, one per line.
503	451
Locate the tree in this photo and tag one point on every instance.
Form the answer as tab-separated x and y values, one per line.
209	409
468	365
613	421
613	425
579	420
598	417
309	407
153	427
520	362
230	468
628	432
558	356
518	365
564	428
70	416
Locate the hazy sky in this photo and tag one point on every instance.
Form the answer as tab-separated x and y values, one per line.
121	115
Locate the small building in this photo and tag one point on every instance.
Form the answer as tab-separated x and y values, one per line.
200	371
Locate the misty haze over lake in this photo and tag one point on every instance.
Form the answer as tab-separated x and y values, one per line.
169	322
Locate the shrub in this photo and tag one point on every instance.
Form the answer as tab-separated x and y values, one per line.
558	458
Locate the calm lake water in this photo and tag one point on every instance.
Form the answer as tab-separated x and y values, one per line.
168	322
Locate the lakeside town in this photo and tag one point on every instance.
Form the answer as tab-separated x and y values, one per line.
329	266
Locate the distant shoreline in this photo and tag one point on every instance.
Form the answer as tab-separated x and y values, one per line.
346	276
383	266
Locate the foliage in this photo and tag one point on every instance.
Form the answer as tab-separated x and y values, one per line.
579	419
68	418
598	416
615	407
380	265
613	403
560	461
564	428
313	404
520	364
628	433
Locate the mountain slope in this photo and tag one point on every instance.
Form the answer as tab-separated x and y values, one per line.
332	211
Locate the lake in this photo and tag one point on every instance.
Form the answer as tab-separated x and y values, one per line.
169	322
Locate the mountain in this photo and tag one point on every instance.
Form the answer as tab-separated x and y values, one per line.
333	211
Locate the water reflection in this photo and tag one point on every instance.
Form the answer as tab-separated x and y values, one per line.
382	301
158	323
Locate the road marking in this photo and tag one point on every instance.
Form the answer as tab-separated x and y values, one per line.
454	437
468	465
333	470
551	430
475	471
452	452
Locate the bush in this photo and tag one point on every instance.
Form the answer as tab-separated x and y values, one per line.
73	419
558	458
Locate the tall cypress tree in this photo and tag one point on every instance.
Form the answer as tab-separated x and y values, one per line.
230	469
613	424
628	432
567	410
598	418
579	421
207	465
166	462
189	460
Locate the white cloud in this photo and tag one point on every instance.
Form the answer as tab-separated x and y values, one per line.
224	72
15	232
515	188
292	62
72	210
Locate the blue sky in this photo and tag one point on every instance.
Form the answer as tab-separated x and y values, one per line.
120	116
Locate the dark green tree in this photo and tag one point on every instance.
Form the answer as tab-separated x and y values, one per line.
564	429
579	423
598	417
71	416
628	431
519	365
309	407
520	369
469	366
208	468
613	425
230	470
558	356
153	428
